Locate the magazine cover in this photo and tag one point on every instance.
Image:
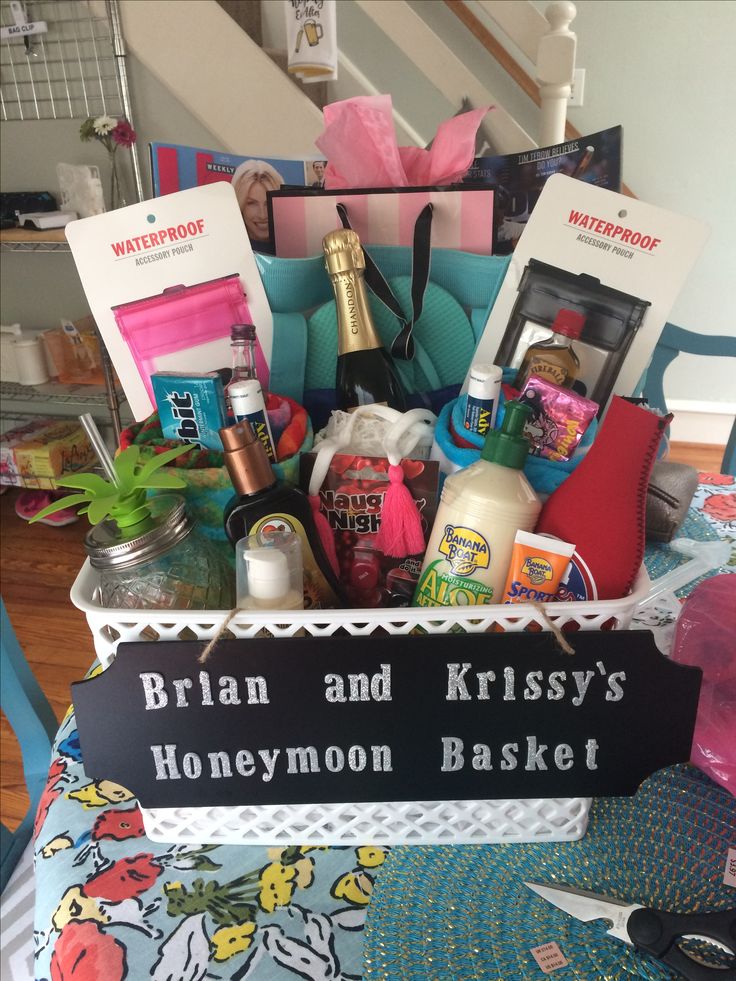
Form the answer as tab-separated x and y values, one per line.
176	168
519	177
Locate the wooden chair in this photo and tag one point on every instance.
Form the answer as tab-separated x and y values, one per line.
35	726
673	341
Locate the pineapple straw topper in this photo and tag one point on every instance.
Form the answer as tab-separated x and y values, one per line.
123	496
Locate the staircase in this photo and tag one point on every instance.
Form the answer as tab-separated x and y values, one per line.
247	14
385	45
253	96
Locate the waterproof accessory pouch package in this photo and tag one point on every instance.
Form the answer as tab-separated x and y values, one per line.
165	281
612	317
185	328
605	269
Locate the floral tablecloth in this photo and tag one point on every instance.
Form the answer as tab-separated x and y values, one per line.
111	904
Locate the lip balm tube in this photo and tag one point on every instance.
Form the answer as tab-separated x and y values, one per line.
484	384
246	400
538	564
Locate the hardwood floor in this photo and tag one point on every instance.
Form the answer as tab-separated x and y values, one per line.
38	566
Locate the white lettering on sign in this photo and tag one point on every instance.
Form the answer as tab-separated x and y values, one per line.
465	685
170	764
157	697
359	687
539	756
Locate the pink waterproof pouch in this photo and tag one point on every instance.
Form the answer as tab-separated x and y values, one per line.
186	328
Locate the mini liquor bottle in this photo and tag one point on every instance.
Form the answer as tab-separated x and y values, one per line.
243	350
554	358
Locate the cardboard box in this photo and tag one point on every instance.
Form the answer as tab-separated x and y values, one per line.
73	352
37	454
11	439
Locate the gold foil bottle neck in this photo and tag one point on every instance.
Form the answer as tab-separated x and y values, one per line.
343	252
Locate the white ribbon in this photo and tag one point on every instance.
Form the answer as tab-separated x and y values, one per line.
407	430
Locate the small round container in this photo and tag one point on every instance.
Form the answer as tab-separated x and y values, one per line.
31	361
270	572
159	563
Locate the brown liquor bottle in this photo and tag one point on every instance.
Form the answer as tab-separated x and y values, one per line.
554	358
263	504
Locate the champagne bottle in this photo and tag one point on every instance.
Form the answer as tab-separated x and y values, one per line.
365	373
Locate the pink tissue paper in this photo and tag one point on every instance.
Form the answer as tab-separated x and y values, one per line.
359	143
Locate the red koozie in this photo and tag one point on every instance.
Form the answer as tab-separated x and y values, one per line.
601	506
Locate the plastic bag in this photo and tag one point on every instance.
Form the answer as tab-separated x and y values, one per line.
706	638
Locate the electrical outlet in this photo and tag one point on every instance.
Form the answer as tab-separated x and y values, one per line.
578	88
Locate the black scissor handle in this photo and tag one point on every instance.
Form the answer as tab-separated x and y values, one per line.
656	932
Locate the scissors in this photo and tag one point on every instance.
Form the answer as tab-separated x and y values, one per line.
654	931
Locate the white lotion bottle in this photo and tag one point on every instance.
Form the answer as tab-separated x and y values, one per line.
481	509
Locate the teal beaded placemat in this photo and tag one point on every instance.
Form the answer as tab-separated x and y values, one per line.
463	912
660	558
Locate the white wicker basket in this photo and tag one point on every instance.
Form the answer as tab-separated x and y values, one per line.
387	823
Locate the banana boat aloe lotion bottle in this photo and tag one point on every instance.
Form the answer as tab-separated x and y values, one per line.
481	509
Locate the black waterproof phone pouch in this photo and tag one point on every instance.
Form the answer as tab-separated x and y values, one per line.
611	321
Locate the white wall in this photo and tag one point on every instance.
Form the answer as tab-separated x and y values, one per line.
665	70
38	290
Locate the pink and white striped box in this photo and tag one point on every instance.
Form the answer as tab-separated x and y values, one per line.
462	217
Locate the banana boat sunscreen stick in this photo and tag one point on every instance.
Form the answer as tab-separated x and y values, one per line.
538	564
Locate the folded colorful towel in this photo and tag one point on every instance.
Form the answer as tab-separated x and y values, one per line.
456	447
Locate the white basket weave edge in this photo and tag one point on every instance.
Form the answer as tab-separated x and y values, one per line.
407	823
133	625
391	823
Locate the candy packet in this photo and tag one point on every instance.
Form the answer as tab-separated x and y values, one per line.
352	497
559	418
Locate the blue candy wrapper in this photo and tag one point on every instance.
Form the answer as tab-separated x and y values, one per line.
191	407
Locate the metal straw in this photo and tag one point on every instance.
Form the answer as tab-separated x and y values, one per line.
98	444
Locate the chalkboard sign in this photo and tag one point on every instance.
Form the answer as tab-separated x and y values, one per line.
439	717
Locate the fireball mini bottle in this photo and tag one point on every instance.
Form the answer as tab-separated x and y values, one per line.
481	509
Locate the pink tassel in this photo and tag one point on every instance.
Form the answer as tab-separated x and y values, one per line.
326	535
400	533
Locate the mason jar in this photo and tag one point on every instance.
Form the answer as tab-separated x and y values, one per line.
161	563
